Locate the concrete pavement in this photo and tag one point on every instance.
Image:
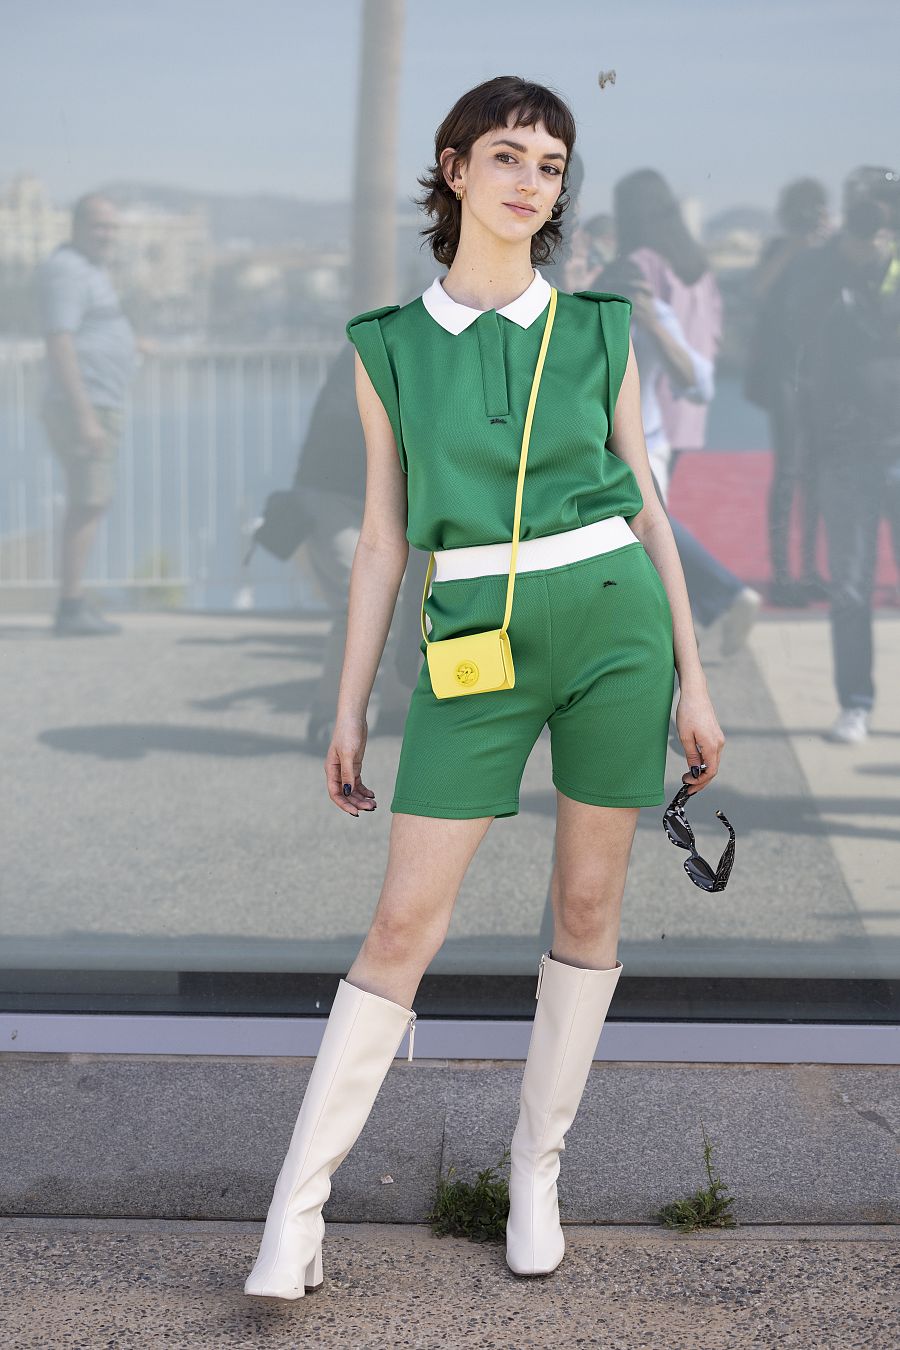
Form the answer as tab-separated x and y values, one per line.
140	1286
162	813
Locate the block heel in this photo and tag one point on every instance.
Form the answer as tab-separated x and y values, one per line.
314	1278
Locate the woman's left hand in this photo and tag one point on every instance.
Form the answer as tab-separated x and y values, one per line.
701	736
642	306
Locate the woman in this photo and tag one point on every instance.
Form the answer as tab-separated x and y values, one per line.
651	235
443	385
660	347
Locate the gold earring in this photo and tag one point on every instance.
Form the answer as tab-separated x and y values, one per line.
458	195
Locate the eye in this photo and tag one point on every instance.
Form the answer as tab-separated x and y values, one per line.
505	154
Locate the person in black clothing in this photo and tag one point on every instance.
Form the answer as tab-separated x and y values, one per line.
331	474
802	213
842	311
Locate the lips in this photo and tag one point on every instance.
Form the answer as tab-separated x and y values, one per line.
520	206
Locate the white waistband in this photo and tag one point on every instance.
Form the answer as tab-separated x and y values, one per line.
549	550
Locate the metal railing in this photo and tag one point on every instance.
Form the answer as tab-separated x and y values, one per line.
208	433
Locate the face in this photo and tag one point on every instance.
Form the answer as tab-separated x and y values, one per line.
96	233
515	167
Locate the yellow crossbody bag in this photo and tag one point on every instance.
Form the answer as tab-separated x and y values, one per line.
479	662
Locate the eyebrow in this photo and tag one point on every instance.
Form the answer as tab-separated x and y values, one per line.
523	149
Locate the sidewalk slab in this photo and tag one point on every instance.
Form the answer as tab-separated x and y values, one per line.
204	1137
132	1285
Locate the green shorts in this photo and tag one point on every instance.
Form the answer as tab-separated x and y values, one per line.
592	650
90	477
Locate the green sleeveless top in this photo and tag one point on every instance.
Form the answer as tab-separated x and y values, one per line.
457	405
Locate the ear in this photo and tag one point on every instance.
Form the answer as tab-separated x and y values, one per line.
448	164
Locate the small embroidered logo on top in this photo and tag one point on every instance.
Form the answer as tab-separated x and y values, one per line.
498	419
609	583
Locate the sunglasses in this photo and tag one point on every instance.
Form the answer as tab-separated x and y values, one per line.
677	827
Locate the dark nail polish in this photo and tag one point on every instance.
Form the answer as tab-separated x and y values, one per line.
347	789
695	770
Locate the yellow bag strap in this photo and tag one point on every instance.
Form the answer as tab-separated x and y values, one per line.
526	437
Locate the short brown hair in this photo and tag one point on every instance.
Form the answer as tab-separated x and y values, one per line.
486	108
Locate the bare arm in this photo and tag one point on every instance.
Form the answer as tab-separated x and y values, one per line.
696	719
677	361
379	563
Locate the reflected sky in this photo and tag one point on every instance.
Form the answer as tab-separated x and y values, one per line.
232	96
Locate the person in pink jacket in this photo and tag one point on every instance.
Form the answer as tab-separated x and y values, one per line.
678	305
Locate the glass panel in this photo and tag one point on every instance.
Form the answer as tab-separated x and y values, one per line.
198	209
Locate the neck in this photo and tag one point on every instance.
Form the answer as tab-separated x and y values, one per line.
489	276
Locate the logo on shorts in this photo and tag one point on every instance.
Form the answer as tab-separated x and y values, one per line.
467	673
498	419
609	583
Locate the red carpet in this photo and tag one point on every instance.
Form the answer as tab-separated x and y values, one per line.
721	497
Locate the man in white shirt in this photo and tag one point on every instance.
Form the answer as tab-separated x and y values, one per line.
90	362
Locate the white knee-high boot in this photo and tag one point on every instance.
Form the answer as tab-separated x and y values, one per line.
571	1010
362	1036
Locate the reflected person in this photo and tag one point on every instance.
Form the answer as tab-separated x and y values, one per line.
91	356
841	307
803	215
681	290
331	475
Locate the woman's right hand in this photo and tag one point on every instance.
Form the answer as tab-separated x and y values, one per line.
343	763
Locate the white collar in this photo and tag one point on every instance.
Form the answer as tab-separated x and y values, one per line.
453	316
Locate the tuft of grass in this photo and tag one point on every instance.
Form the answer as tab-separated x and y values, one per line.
706	1208
476	1210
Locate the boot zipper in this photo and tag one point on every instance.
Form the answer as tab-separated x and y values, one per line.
412	1037
540	976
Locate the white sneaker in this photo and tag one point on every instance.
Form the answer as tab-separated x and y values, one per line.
851	726
738	619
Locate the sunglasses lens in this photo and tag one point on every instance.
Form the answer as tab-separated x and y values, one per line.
679	831
699	870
